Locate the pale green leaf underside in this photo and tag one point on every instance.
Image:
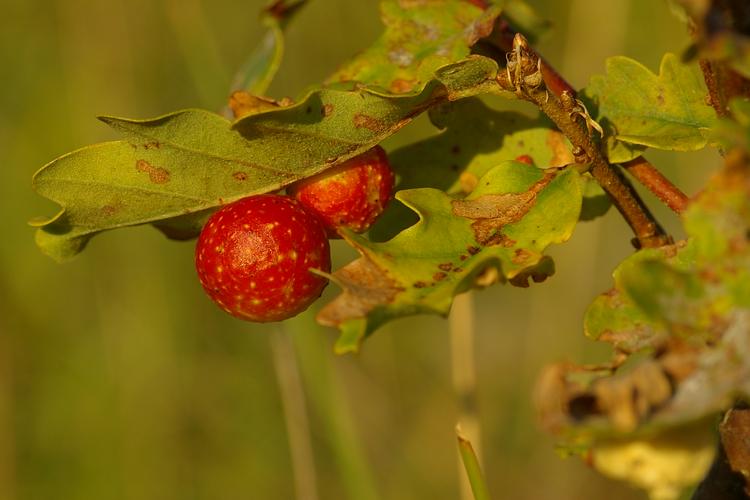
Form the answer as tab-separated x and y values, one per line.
664	111
193	161
425	266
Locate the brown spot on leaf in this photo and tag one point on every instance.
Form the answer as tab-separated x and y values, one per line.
419	284
446	266
439	276
240	176
152	145
157	175
455	149
366	286
362	120
493	211
401	85
326	110
243	103
473	250
520	256
499	239
110	210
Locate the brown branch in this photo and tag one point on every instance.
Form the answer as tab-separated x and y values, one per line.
523	76
654	181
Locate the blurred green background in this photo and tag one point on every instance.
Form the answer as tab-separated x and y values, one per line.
119	379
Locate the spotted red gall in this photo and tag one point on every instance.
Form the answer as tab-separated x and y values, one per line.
254	257
352	194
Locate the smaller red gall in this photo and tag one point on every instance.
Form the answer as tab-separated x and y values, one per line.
254	257
352	194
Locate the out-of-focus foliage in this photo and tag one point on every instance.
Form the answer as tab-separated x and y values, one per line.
722	31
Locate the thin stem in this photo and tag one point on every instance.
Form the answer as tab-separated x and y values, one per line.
329	402
654	181
295	415
523	76
473	469
464	373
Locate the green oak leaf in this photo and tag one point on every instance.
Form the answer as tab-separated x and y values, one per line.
664	111
498	232
175	169
471	139
419	37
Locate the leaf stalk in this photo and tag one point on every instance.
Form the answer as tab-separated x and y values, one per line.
643	171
